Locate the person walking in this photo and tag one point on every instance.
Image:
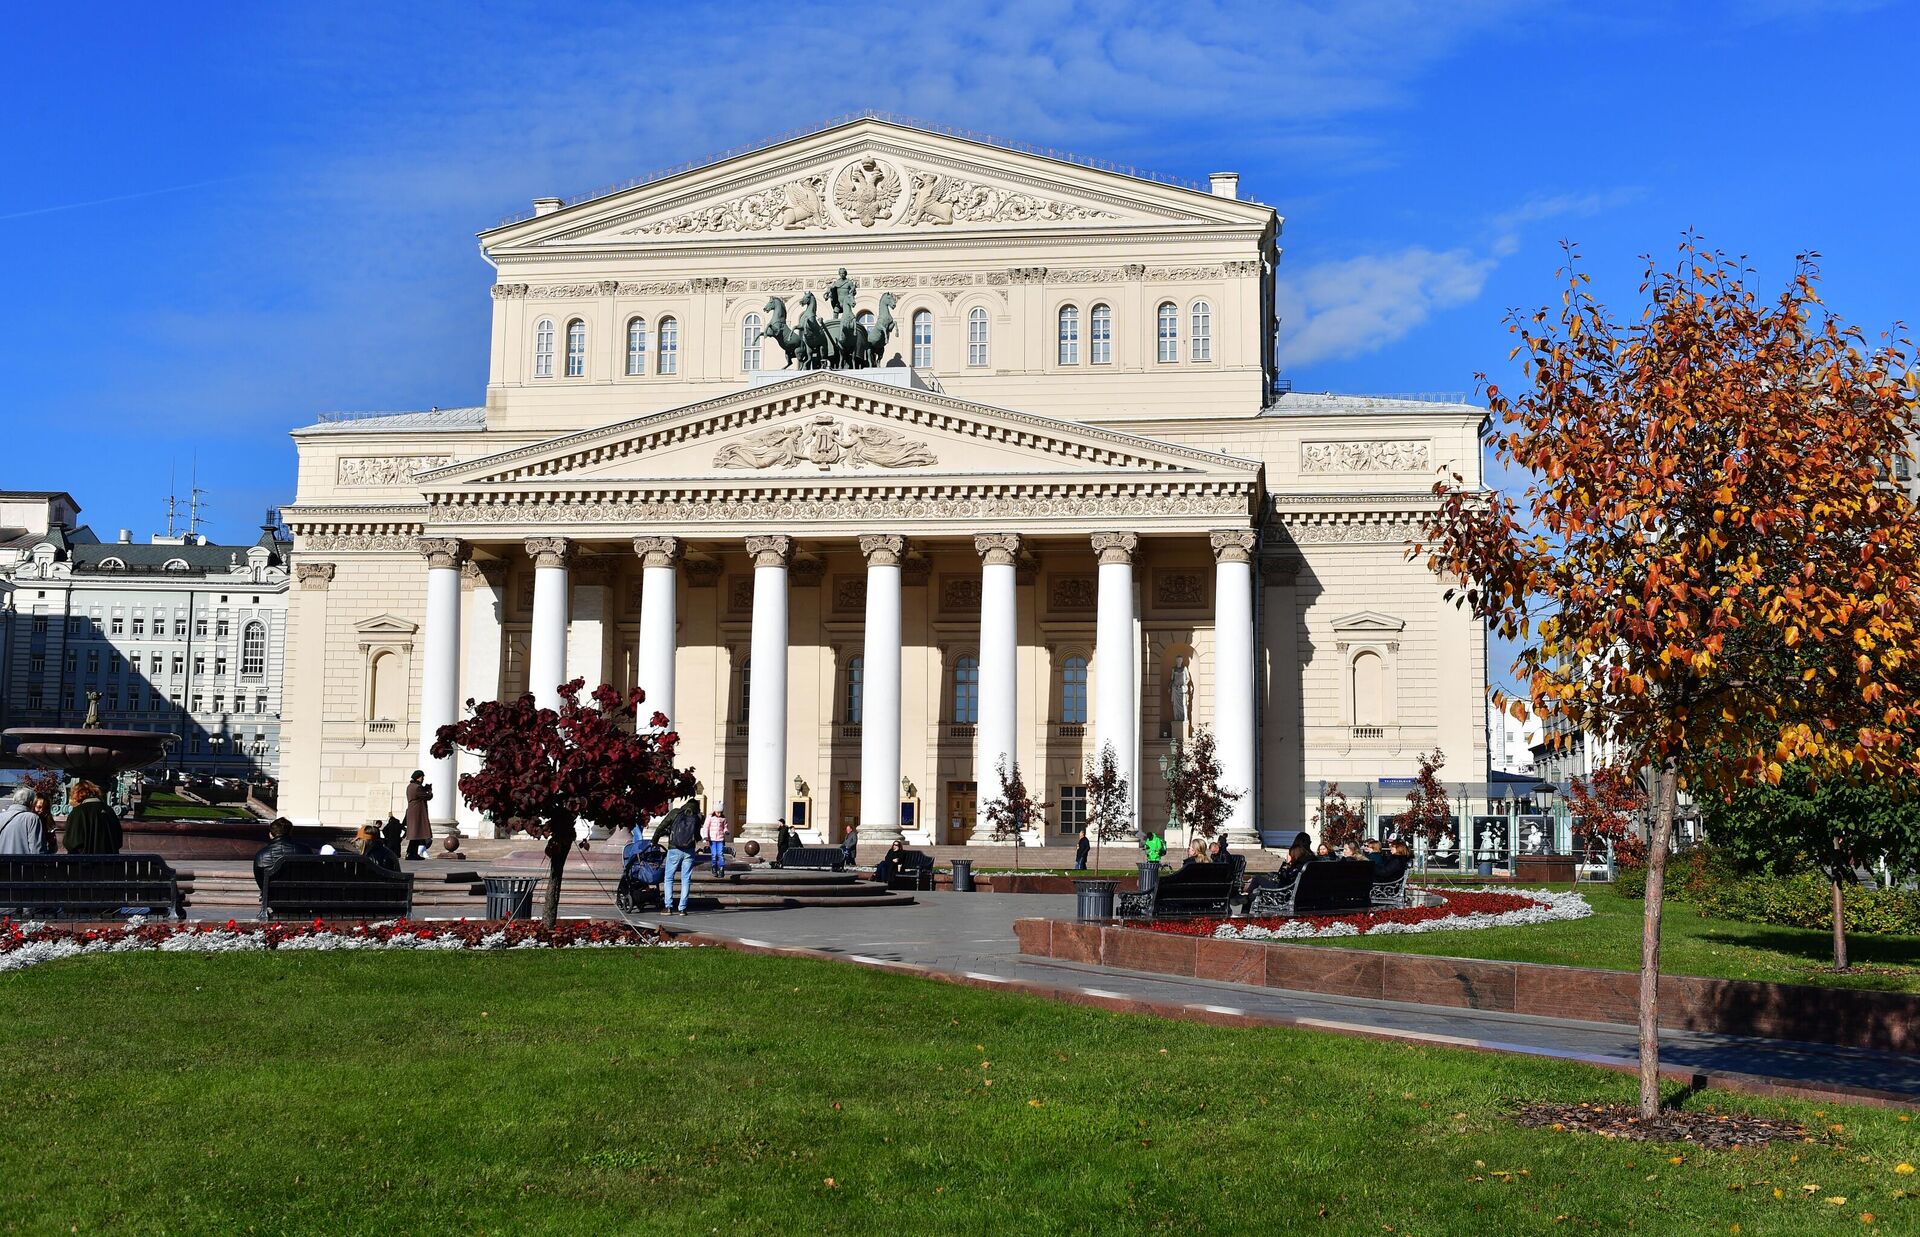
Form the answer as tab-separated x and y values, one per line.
419	829
21	830
92	828
1080	849
850	844
716	834
782	841
1156	847
683	842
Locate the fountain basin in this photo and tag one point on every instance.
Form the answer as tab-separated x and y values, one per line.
91	754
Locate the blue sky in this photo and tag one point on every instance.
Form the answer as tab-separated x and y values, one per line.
223	219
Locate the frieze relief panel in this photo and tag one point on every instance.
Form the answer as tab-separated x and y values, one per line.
1179	590
1396	455
386	469
739	594
825	441
1072	594
360	541
849	594
960	594
807	507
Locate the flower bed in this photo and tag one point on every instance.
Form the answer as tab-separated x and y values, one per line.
27	944
1459	910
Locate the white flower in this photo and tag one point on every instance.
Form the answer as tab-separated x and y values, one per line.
1552	906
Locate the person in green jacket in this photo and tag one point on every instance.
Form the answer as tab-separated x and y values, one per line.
92	828
1156	847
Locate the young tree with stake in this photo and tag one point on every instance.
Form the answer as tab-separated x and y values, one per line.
1109	800
1011	813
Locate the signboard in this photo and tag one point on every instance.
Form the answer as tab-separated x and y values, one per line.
1444	851
1398	781
1536	835
1492	841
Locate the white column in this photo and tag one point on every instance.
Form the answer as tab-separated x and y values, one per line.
480	641
1233	677
659	622
880	691
589	622
547	649
767	687
1116	716
999	665
440	670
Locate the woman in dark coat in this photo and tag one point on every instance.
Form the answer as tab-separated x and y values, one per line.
92	828
419	831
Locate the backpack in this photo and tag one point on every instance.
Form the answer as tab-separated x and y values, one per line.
686	831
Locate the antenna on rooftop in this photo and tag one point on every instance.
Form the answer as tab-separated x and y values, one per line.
194	496
173	468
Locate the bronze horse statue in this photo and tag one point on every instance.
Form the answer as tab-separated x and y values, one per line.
791	341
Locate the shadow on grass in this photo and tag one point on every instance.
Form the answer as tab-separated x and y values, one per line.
1816	948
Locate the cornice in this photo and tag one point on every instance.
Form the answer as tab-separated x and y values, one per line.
815	244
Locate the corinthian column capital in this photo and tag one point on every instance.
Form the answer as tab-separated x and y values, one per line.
1234	545
883	550
998	549
1115	547
657	551
549	551
770	551
442	551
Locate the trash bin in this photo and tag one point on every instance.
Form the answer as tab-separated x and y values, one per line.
1149	876
1486	867
1096	899
963	876
510	897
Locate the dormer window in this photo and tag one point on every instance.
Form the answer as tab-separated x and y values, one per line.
177	564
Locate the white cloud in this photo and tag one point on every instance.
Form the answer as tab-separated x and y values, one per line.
1346	308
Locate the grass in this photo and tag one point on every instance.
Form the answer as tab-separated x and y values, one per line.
1689	945
699	1090
166	805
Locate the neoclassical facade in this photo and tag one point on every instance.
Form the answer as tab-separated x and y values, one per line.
1068	507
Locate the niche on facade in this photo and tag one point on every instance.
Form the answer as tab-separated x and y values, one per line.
1176	689
1368	643
386	658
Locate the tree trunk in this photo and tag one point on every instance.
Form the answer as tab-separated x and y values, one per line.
557	847
1839	927
1650	942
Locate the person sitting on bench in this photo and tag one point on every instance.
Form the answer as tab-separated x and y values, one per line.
1196	853
367	842
280	844
1389	866
889	862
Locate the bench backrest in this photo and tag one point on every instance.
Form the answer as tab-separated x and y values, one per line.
1202	886
1332	884
335	886
819	858
81	885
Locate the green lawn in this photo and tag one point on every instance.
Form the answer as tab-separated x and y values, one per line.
703	1091
1689	945
166	805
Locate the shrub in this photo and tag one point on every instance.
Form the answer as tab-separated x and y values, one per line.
1805	900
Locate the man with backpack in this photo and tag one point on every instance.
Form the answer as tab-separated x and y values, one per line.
683	844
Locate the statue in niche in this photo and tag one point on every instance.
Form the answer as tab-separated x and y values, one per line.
1180	698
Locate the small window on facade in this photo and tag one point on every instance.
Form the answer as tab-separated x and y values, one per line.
636	347
1073	809
1069	335
1073	691
856	689
923	339
1202	332
543	348
750	343
743	714
200	628
1101	335
253	650
966	691
669	347
1167	328
977	338
222	629
576	349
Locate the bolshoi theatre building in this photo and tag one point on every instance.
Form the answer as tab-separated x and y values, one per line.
878	457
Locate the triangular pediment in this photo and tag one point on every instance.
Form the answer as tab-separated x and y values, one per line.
871	177
1368	622
385	627
832	426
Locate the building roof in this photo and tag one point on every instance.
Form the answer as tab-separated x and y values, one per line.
434	420
1324	403
30	495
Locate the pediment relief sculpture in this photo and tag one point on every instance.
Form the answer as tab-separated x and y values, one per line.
792	207
867	190
1374	456
824	442
941	199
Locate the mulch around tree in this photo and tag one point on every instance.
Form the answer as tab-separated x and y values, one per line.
1716	1131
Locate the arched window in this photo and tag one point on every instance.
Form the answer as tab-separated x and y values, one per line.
966	691
1073	691
1069	335
1167	329
977	338
1202	332
576	349
855	704
923	339
864	318
636	347
1101	336
750	343
543	348
669	347
1369	689
742	714
253	650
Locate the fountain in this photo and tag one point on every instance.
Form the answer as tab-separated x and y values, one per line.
100	756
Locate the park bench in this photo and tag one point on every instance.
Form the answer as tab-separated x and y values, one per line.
1323	885
1201	889
90	886
812	858
913	870
334	887
1393	892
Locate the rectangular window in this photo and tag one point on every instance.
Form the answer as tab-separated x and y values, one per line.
259	704
33	697
179	663
139	628
76	625
220	664
199	663
113	695
219	704
1073	809
93	661
180	628
200	628
153	663
116	625
37	663
221	629
69	660
113	663
199	703
39	624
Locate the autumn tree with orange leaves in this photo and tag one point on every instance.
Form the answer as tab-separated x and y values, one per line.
1705	569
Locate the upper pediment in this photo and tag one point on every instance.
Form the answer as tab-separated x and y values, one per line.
872	177
826	425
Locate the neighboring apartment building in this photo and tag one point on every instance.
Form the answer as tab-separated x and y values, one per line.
1511	742
177	635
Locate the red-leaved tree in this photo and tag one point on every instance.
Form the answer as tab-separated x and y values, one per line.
546	770
1013	811
1605	809
1338	821
1195	794
1109	800
1429	812
1705	567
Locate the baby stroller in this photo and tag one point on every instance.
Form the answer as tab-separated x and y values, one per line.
646	868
